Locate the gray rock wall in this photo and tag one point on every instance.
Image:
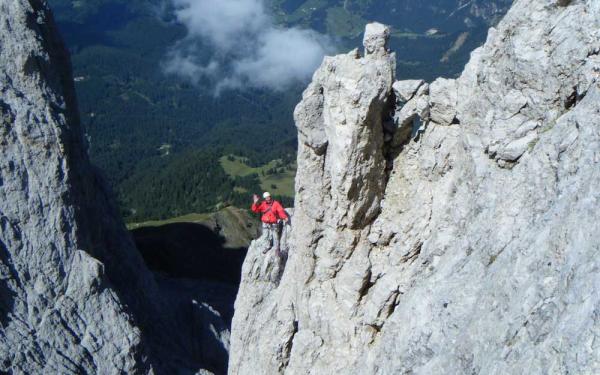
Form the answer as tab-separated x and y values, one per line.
75	296
68	266
448	227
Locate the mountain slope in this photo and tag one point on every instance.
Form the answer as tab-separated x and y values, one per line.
456	235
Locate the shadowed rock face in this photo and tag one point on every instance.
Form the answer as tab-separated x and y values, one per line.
75	294
444	227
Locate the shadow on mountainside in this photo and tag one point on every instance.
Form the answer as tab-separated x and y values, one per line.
190	251
200	276
7	295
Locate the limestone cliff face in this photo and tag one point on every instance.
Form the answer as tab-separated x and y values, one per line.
448	227
75	296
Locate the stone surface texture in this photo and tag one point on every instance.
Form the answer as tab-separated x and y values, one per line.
442	228
75	296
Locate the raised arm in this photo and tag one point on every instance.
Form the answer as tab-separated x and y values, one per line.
255	206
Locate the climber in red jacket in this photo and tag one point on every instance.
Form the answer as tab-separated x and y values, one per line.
272	215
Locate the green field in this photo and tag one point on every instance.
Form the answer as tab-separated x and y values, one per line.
189	218
237	226
274	177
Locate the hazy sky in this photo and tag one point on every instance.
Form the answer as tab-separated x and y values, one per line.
248	49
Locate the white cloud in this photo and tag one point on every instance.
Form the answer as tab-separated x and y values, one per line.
247	48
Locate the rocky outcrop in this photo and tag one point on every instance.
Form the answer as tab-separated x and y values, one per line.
447	227
75	296
340	178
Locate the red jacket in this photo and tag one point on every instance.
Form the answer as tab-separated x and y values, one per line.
271	211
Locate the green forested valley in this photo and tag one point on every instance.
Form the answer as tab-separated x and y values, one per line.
170	146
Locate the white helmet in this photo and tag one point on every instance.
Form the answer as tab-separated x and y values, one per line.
266	195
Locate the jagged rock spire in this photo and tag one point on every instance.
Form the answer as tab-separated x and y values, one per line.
339	185
376	39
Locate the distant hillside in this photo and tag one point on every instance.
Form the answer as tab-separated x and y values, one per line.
235	227
208	247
